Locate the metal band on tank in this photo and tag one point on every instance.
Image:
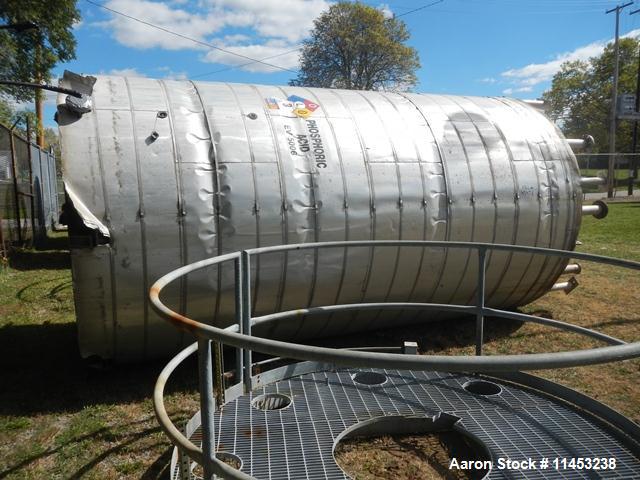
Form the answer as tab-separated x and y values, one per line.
451	216
516	211
447	187
553	226
213	158
316	233
574	215
372	195
107	215
471	200
493	183
256	197
346	210
568	240
182	233
526	271
285	221
400	199
143	229
424	203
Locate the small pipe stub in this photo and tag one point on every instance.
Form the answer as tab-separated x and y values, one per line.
585	181
598	209
572	268
567	287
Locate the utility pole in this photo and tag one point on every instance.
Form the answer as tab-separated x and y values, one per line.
39	96
614	100
633	167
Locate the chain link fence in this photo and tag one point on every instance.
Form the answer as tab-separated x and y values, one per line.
29	201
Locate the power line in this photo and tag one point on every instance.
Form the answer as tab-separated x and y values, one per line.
419	8
200	42
232	67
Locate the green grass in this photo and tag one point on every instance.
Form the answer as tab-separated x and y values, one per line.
620	173
617	235
61	419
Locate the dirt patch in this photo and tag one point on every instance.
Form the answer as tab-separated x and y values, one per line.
406	457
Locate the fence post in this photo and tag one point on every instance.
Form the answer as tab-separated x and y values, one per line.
207	406
16	196
246	319
31	191
482	262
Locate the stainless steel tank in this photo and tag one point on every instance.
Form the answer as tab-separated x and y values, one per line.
164	173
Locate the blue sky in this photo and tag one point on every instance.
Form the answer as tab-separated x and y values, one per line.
467	47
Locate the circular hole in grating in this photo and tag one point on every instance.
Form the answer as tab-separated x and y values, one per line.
271	401
369	378
423	447
482	387
229	458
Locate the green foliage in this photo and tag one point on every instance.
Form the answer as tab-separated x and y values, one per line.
580	95
6	112
354	46
29	55
9	116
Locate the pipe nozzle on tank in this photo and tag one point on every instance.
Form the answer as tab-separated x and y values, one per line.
595	181
567	287
573	268
580	144
599	209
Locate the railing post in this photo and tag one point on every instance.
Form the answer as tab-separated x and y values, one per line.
482	263
246	319
238	298
207	406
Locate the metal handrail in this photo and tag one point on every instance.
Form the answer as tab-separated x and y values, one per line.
239	336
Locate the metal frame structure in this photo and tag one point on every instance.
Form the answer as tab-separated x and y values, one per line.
239	336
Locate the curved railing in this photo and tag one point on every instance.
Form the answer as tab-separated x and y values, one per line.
239	336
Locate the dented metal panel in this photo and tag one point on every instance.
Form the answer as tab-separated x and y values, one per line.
171	172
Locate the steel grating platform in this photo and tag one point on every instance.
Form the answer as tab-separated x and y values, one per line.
297	442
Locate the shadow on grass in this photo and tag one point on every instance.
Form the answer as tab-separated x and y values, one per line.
159	470
104	434
42	372
50	254
29	259
432	336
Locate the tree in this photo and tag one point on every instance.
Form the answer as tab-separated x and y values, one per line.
580	95
29	55
354	46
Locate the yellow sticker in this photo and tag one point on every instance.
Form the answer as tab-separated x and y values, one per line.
302	112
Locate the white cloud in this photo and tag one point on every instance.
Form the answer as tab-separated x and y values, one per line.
123	72
511	91
490	80
386	10
536	73
287	19
134	34
169	74
272	27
